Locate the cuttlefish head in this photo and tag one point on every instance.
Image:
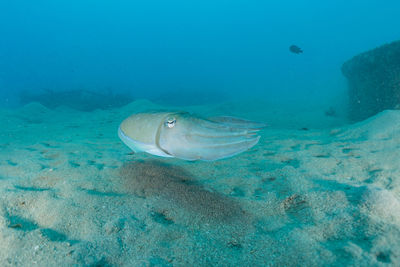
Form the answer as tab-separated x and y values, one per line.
186	136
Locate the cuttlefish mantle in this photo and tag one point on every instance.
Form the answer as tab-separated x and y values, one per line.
186	136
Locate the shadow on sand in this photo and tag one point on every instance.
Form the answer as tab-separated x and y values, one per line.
177	186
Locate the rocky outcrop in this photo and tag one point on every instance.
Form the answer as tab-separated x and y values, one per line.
83	100
373	81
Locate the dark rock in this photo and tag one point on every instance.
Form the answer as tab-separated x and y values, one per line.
82	100
374	81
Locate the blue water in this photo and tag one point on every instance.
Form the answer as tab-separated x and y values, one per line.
146	48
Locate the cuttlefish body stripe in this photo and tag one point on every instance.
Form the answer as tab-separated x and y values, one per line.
157	140
146	134
140	146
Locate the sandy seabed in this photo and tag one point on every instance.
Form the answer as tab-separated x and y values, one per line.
320	192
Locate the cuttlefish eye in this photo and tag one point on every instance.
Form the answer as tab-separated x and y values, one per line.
170	122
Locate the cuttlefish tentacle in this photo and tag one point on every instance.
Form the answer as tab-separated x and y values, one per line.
207	127
239	123
216	151
185	136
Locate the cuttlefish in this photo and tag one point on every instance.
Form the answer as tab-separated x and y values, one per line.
186	136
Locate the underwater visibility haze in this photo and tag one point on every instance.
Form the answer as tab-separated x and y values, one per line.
199	133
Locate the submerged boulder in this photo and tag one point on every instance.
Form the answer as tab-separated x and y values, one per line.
82	100
373	81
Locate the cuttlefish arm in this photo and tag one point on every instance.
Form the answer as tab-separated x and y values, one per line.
186	136
239	123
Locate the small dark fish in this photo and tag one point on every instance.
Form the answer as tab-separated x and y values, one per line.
295	49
